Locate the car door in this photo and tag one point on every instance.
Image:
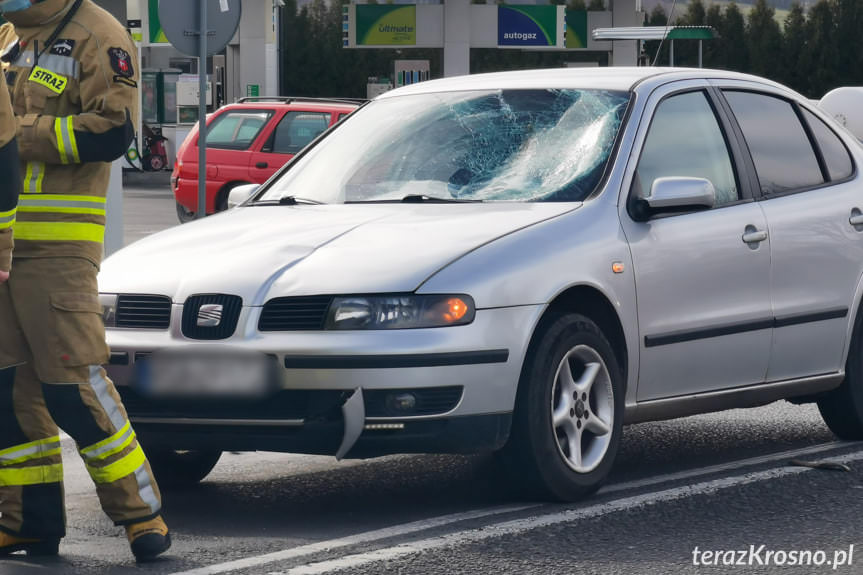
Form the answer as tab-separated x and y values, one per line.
230	139
703	296
294	132
810	196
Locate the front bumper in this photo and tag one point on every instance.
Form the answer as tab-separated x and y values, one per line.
470	373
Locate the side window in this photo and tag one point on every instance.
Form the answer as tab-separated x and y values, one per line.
341	117
783	156
297	129
236	130
685	140
836	156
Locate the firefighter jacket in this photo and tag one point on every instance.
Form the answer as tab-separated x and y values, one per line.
74	101
9	181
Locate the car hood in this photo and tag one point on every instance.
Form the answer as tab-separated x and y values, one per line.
260	252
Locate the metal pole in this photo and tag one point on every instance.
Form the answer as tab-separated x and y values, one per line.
202	113
700	54
671	53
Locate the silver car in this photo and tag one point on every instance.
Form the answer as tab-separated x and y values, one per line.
519	262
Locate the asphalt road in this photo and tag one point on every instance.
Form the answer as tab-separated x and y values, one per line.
719	482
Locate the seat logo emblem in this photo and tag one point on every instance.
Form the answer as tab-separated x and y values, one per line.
210	315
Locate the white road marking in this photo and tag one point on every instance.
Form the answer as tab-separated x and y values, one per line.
731	465
530	523
367	537
380	534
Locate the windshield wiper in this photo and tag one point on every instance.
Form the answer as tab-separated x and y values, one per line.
424	199
288	201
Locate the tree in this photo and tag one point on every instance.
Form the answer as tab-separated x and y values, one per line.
576	5
764	41
733	41
823	47
795	51
714	57
597	5
657	17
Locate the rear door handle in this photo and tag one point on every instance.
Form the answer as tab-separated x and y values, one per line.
262	165
856	217
754	237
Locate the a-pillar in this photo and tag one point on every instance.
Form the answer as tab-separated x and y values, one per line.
625	13
456	46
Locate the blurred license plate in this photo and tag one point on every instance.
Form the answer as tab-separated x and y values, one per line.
205	373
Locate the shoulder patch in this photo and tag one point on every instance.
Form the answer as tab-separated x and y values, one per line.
121	62
10	52
63	47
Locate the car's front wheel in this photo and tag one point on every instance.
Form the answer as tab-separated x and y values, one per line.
174	468
569	411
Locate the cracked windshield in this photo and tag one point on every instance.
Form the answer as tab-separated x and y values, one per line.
510	145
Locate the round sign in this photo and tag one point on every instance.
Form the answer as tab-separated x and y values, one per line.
181	21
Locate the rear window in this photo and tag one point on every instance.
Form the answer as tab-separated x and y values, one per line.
836	155
236	130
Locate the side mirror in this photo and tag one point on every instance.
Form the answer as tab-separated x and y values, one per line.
668	195
240	194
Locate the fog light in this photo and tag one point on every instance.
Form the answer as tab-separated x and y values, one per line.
401	402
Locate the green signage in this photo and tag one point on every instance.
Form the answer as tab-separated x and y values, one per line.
526	25
386	25
253	90
157	35
576	29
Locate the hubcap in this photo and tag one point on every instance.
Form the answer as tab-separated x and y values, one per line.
582	408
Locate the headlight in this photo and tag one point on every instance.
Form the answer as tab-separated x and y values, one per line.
108	301
400	311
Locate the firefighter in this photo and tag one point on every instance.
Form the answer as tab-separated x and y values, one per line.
72	74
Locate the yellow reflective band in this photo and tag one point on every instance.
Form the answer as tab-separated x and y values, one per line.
61	147
97	446
120	468
31	475
72	141
32	444
92	211
33	177
68	198
50	80
37	455
59	231
7	219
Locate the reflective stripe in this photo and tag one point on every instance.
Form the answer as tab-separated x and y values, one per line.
70	133
61	132
32	450
31	475
145	489
43	201
64	197
108	447
119	469
7	218
63	65
33	177
100	387
59	231
46	209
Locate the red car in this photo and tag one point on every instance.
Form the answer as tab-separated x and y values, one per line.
248	142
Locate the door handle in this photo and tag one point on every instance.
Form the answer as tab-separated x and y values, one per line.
754	237
262	165
856	218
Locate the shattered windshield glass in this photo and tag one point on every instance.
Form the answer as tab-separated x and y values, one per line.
504	145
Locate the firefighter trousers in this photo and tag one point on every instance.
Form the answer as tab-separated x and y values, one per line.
52	348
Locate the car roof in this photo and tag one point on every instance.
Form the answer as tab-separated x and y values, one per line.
608	78
303	104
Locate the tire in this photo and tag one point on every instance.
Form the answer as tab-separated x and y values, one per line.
842	408
181	468
185	215
540	452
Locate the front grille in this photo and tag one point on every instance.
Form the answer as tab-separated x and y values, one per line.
429	401
230	314
307	313
143	311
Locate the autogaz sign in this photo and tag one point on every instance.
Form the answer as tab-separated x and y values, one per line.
386	25
527	25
